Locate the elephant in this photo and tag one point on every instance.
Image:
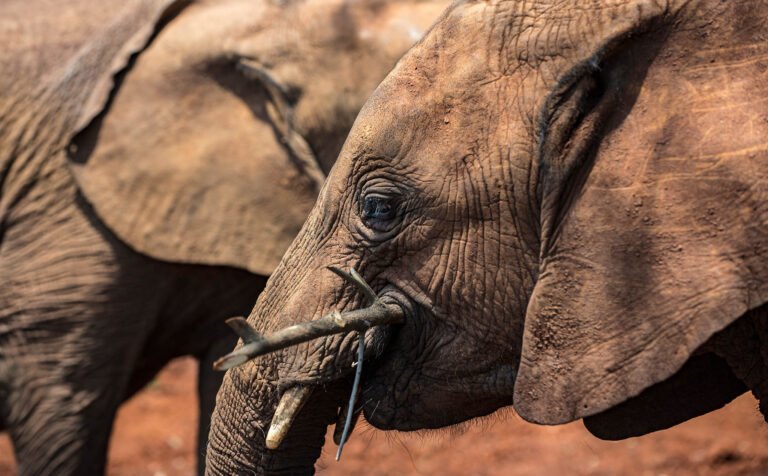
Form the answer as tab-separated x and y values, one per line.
554	206
157	158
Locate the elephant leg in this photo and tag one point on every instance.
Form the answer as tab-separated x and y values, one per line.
194	324
85	321
208	383
76	306
65	429
67	370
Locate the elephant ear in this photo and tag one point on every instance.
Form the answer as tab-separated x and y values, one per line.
59	59
192	157
705	383
39	37
654	212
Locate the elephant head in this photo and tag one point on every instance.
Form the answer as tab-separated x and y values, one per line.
559	203
201	132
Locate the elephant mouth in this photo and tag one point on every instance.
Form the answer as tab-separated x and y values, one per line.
388	308
421	381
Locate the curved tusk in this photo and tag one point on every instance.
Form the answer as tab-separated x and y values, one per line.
290	405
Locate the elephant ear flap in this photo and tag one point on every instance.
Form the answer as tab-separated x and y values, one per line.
655	225
110	52
193	159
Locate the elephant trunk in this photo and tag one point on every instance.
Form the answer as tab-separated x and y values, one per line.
250	430
238	441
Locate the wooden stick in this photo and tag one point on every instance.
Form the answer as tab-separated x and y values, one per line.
376	314
353	395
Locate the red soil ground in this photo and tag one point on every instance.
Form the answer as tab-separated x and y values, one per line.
155	433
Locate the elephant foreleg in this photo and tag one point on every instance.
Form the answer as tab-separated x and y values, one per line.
58	428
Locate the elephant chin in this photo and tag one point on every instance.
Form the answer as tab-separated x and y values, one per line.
404	390
397	392
429	406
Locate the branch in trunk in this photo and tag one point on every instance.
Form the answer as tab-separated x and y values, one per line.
376	314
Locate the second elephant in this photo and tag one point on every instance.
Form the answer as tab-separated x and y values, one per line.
157	159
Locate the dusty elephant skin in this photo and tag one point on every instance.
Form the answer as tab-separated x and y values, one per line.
157	158
567	199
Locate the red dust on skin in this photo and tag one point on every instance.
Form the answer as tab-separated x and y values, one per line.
155	435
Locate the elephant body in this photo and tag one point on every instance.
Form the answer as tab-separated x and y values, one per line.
562	207
88	322
157	157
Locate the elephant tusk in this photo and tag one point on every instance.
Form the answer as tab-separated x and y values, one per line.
377	313
289	407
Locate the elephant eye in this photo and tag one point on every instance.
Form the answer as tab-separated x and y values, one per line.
377	210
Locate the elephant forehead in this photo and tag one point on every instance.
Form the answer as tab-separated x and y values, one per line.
443	74
483	71
513	38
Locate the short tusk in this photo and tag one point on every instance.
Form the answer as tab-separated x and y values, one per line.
290	406
376	314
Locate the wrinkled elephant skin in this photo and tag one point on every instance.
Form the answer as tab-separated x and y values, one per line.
567	200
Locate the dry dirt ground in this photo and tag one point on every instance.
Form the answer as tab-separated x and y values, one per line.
155	431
